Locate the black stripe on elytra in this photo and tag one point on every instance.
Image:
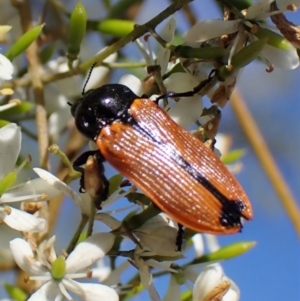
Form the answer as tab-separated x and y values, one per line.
231	209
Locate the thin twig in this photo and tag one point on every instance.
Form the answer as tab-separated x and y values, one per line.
137	32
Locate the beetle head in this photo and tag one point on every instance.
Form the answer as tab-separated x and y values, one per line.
100	107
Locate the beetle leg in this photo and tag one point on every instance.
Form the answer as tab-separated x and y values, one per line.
92	178
195	90
179	238
81	160
77	165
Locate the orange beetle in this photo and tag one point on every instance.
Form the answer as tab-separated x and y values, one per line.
174	169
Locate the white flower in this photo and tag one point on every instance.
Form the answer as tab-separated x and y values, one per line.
211	282
146	278
187	274
32	191
81	202
285	58
58	274
187	109
6	69
157	236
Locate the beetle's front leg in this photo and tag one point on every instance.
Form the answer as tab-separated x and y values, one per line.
93	180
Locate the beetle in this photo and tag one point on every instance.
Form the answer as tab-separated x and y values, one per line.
173	168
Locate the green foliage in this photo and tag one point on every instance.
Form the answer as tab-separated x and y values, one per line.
227	252
77	29
24	42
15	292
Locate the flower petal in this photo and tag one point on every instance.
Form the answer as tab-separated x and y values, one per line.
161	241
161	265
212	242
191	272
36	190
63	187
99	74
198	244
163	54
6	68
114	276
24	257
108	220
233	293
47	292
207	280
23	221
89	251
10	146
210	29
91	291
284	59
58	120
188	109
144	50
258	10
173	293
132	82
155	222
144	270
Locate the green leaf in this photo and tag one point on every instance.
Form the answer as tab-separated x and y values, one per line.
241	59
227	252
204	53
82	237
23	107
187	296
7	181
274	39
134	197
15	293
3	123
24	42
77	29
135	290
115	27
232	156
137	220
114	183
240	4
47	52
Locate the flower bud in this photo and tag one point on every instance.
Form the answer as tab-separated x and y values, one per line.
24	42
205	53
77	30
115	27
274	39
227	252
241	59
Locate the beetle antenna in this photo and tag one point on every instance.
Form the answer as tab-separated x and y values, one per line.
88	78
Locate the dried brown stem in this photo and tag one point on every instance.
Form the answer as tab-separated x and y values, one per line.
265	157
35	70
